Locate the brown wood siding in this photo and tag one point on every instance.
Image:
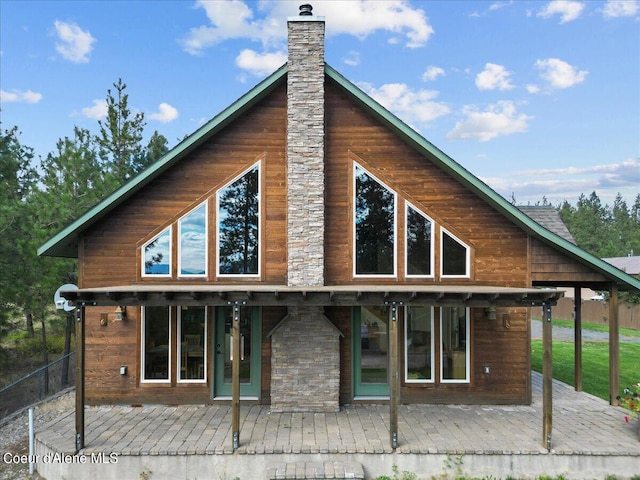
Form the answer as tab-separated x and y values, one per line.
341	317
110	256
499	249
549	265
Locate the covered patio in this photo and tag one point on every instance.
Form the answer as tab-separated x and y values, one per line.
591	440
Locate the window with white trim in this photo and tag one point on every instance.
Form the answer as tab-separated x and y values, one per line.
375	226
454	256
419	342
192	243
238	215
192	348
156	344
454	355
157	256
418	243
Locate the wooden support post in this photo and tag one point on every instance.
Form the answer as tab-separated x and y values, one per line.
80	351
614	346
577	313
394	378
547	377
235	378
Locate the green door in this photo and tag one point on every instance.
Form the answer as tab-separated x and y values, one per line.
250	336
371	351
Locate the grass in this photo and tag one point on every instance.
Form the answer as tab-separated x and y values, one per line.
595	364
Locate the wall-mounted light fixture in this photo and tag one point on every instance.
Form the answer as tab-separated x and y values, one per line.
121	312
490	312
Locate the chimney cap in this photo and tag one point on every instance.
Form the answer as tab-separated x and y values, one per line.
306	10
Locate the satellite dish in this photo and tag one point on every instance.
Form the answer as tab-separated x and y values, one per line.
61	302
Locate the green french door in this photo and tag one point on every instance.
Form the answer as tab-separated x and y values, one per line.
371	351
250	339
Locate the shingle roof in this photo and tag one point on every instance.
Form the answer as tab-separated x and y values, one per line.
549	218
630	264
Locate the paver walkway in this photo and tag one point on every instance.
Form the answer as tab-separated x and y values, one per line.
582	424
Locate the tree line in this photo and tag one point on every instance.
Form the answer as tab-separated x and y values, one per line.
40	196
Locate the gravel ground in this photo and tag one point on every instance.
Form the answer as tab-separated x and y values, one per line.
566	334
14	433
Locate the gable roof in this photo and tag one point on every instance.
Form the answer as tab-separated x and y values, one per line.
65	243
549	218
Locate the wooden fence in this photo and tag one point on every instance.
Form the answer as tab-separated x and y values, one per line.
594	311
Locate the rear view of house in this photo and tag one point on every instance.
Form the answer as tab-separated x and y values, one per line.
354	261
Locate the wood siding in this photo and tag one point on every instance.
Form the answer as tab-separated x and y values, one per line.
110	252
549	265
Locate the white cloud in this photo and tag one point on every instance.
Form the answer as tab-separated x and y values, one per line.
431	73
165	114
497	120
260	64
494	77
410	105
620	8
533	89
74	43
560	74
232	19
568	10
98	111
352	58
18	96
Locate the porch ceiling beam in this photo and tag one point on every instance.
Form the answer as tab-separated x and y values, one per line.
264	295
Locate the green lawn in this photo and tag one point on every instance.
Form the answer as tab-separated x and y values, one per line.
595	364
626	332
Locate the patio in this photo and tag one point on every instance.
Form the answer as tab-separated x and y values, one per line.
590	440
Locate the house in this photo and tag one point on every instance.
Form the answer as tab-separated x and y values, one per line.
306	249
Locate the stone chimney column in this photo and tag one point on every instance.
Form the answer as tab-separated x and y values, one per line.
305	149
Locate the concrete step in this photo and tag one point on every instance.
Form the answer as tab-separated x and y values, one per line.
316	471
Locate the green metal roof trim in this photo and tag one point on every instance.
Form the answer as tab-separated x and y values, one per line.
65	243
417	141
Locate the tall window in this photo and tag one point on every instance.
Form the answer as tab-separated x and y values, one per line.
454	331
418	331
455	256
156	342
419	246
192	348
157	255
375	208
238	225
192	231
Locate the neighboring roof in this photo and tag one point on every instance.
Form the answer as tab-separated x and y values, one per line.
549	218
629	264
65	243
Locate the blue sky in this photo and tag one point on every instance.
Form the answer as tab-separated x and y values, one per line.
537	98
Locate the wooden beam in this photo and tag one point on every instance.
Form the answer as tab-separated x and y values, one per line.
577	314
547	377
235	378
80	351
614	346
394	385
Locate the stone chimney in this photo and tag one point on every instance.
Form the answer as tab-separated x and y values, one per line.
305	149
305	345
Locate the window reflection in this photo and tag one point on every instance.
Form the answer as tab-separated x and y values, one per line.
374	226
193	333
193	242
238	225
157	255
418	237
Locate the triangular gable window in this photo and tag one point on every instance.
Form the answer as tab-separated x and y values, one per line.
238	207
157	256
419	243
455	257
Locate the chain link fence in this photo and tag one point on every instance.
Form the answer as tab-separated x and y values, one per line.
39	384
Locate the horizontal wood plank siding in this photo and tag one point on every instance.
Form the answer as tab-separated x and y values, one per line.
549	265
